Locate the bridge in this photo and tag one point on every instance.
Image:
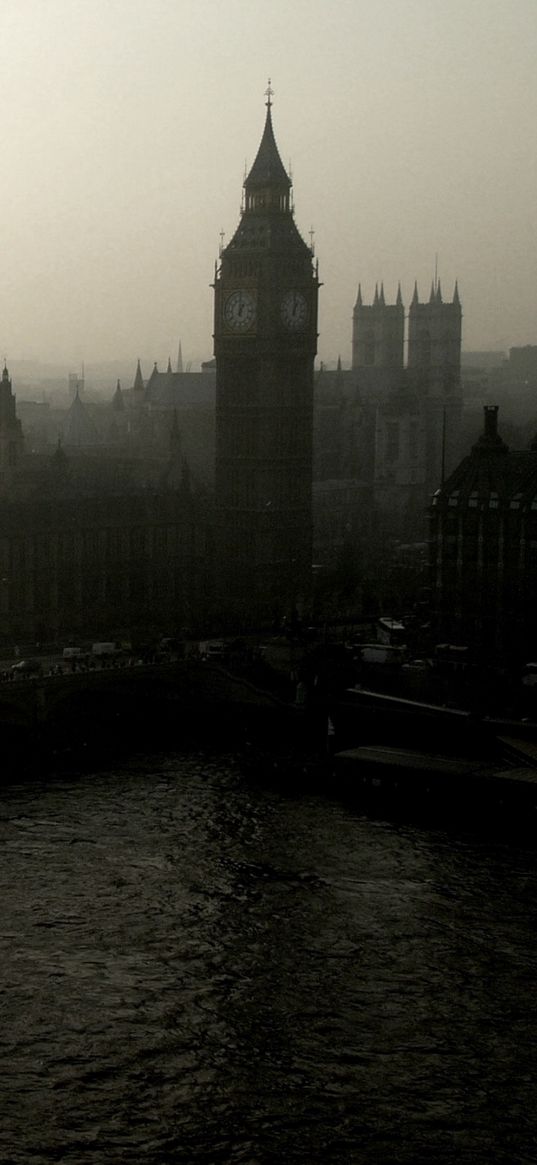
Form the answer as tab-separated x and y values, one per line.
149	701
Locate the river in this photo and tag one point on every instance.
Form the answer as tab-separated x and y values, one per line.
198	968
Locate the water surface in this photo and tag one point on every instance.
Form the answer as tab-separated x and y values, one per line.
198	968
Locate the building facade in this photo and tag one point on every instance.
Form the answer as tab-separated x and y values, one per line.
97	546
484	550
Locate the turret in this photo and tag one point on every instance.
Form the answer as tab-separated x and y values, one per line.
11	438
117	399
434	337
138	390
378	331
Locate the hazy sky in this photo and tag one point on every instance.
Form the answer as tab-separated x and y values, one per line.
409	125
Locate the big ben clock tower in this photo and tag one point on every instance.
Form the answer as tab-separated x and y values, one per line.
265	340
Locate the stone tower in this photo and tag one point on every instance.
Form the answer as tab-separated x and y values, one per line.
434	338
265	340
434	368
378	331
11	438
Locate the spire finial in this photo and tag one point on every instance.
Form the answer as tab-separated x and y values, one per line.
269	94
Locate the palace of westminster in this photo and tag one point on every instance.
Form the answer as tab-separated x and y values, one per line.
218	499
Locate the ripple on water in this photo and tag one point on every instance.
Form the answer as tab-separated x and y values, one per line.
197	969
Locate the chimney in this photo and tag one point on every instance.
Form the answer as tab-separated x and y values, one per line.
491	422
490	441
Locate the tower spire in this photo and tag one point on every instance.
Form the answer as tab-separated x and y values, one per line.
268	185
138	382
117	399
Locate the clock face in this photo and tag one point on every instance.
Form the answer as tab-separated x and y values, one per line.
294	311
239	311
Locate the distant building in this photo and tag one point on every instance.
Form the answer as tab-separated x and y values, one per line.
512	383
149	406
523	362
482	360
392	429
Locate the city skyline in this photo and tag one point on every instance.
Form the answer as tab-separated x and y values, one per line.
128	127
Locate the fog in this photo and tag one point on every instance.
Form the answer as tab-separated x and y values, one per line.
409	126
